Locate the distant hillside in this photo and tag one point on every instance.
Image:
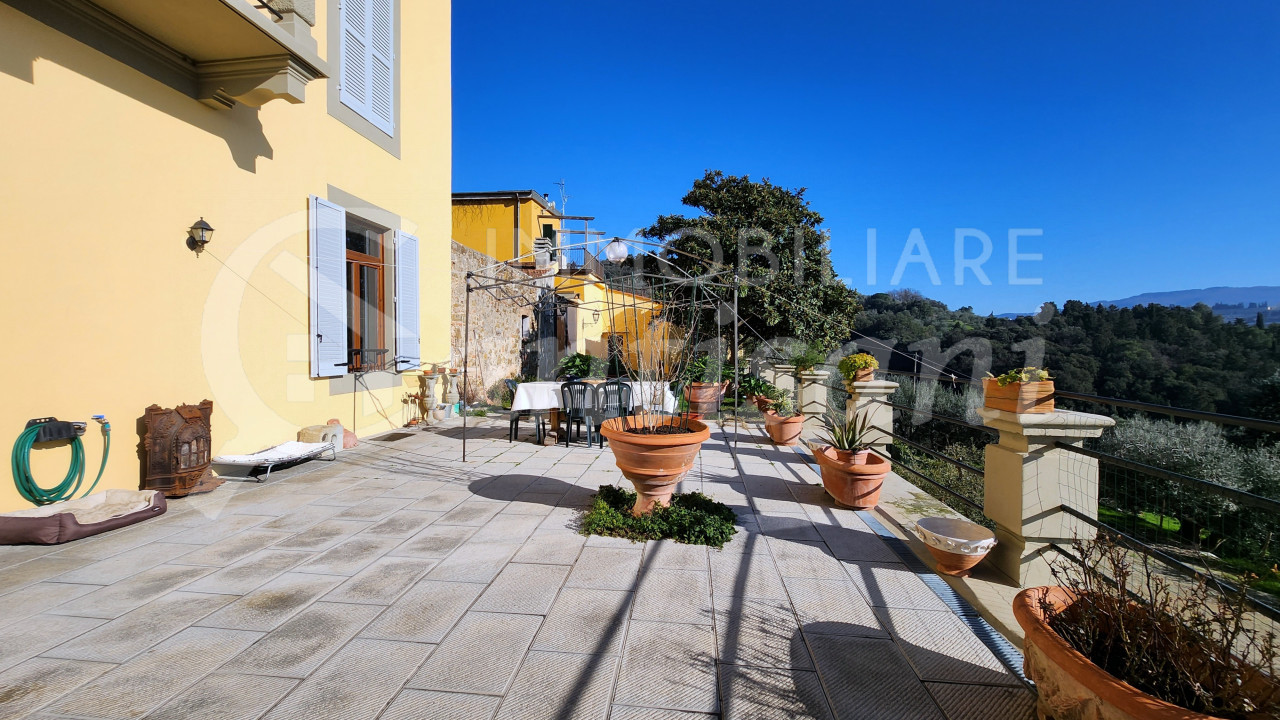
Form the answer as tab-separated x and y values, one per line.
1259	295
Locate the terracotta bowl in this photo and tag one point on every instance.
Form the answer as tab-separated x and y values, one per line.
956	544
654	463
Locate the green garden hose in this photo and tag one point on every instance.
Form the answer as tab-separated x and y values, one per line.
70	485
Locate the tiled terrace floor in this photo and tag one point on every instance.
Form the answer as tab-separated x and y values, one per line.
399	583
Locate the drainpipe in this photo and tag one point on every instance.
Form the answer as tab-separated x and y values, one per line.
515	240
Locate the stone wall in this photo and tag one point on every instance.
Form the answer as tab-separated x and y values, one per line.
495	323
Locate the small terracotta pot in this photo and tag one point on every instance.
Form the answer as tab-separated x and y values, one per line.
704	397
864	375
1069	684
854	457
958	545
783	431
1023	398
855	485
653	463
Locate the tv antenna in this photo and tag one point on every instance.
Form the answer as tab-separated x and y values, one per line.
564	197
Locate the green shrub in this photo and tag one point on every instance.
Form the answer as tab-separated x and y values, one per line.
582	365
807	358
692	518
851	364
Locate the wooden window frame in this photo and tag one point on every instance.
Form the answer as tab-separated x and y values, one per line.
355	261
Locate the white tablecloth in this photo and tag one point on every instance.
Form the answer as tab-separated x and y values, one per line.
546	395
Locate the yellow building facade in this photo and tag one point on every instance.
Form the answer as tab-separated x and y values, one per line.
504	224
298	132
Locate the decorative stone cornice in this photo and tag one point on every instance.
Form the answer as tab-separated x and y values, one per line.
253	81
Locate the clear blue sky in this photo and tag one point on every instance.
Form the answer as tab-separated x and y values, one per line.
1142	137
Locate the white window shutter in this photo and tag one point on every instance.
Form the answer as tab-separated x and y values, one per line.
353	84
382	39
328	285
408	332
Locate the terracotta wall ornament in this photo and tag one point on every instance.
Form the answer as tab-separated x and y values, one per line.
177	449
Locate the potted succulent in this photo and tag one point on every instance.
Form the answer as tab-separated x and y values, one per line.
851	473
859	367
1021	390
781	421
1115	641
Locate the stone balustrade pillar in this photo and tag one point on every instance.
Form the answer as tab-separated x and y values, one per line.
811	398
866	397
1027	482
782	376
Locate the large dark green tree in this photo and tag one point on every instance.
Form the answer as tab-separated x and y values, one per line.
774	240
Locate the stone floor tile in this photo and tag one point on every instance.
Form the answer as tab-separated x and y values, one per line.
100	547
37	682
402	523
942	648
349	497
982	702
251	572
31	637
422	704
606	568
14	555
303	642
226	697
519	588
472	512
414	489
349	556
507	528
373	509
426	612
147	681
787	526
302	518
322	535
872	678
140	629
474	562
275	602
442	500
38	598
112	601
585	620
760	633
118	567
766	694
626	712
806	560
746	575
559	686
672	555
551	548
435	541
357	683
30	572
480	655
893	585
850	543
832	607
668	666
218	526
229	550
382	582
676	596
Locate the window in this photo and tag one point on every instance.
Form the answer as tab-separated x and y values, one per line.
367	77
348	263
366	339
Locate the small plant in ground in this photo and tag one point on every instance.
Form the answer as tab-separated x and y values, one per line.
1187	643
692	518
851	364
1022	375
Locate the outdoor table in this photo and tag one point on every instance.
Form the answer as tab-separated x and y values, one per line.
546	396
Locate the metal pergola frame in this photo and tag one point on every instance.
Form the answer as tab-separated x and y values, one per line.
485	279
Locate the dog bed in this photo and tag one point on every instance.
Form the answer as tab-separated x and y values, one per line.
74	519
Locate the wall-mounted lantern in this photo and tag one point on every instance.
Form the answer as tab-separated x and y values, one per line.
199	235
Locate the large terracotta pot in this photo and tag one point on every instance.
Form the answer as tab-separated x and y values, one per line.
783	430
855	485
653	463
1069	684
1027	398
704	397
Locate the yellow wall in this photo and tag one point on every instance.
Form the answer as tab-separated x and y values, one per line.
488	226
620	312
107	311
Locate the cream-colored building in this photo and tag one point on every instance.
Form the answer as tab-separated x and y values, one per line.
313	136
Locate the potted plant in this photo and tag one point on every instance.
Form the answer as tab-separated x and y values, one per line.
851	474
753	388
807	358
781	421
702	390
653	450
1114	641
1021	390
859	367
